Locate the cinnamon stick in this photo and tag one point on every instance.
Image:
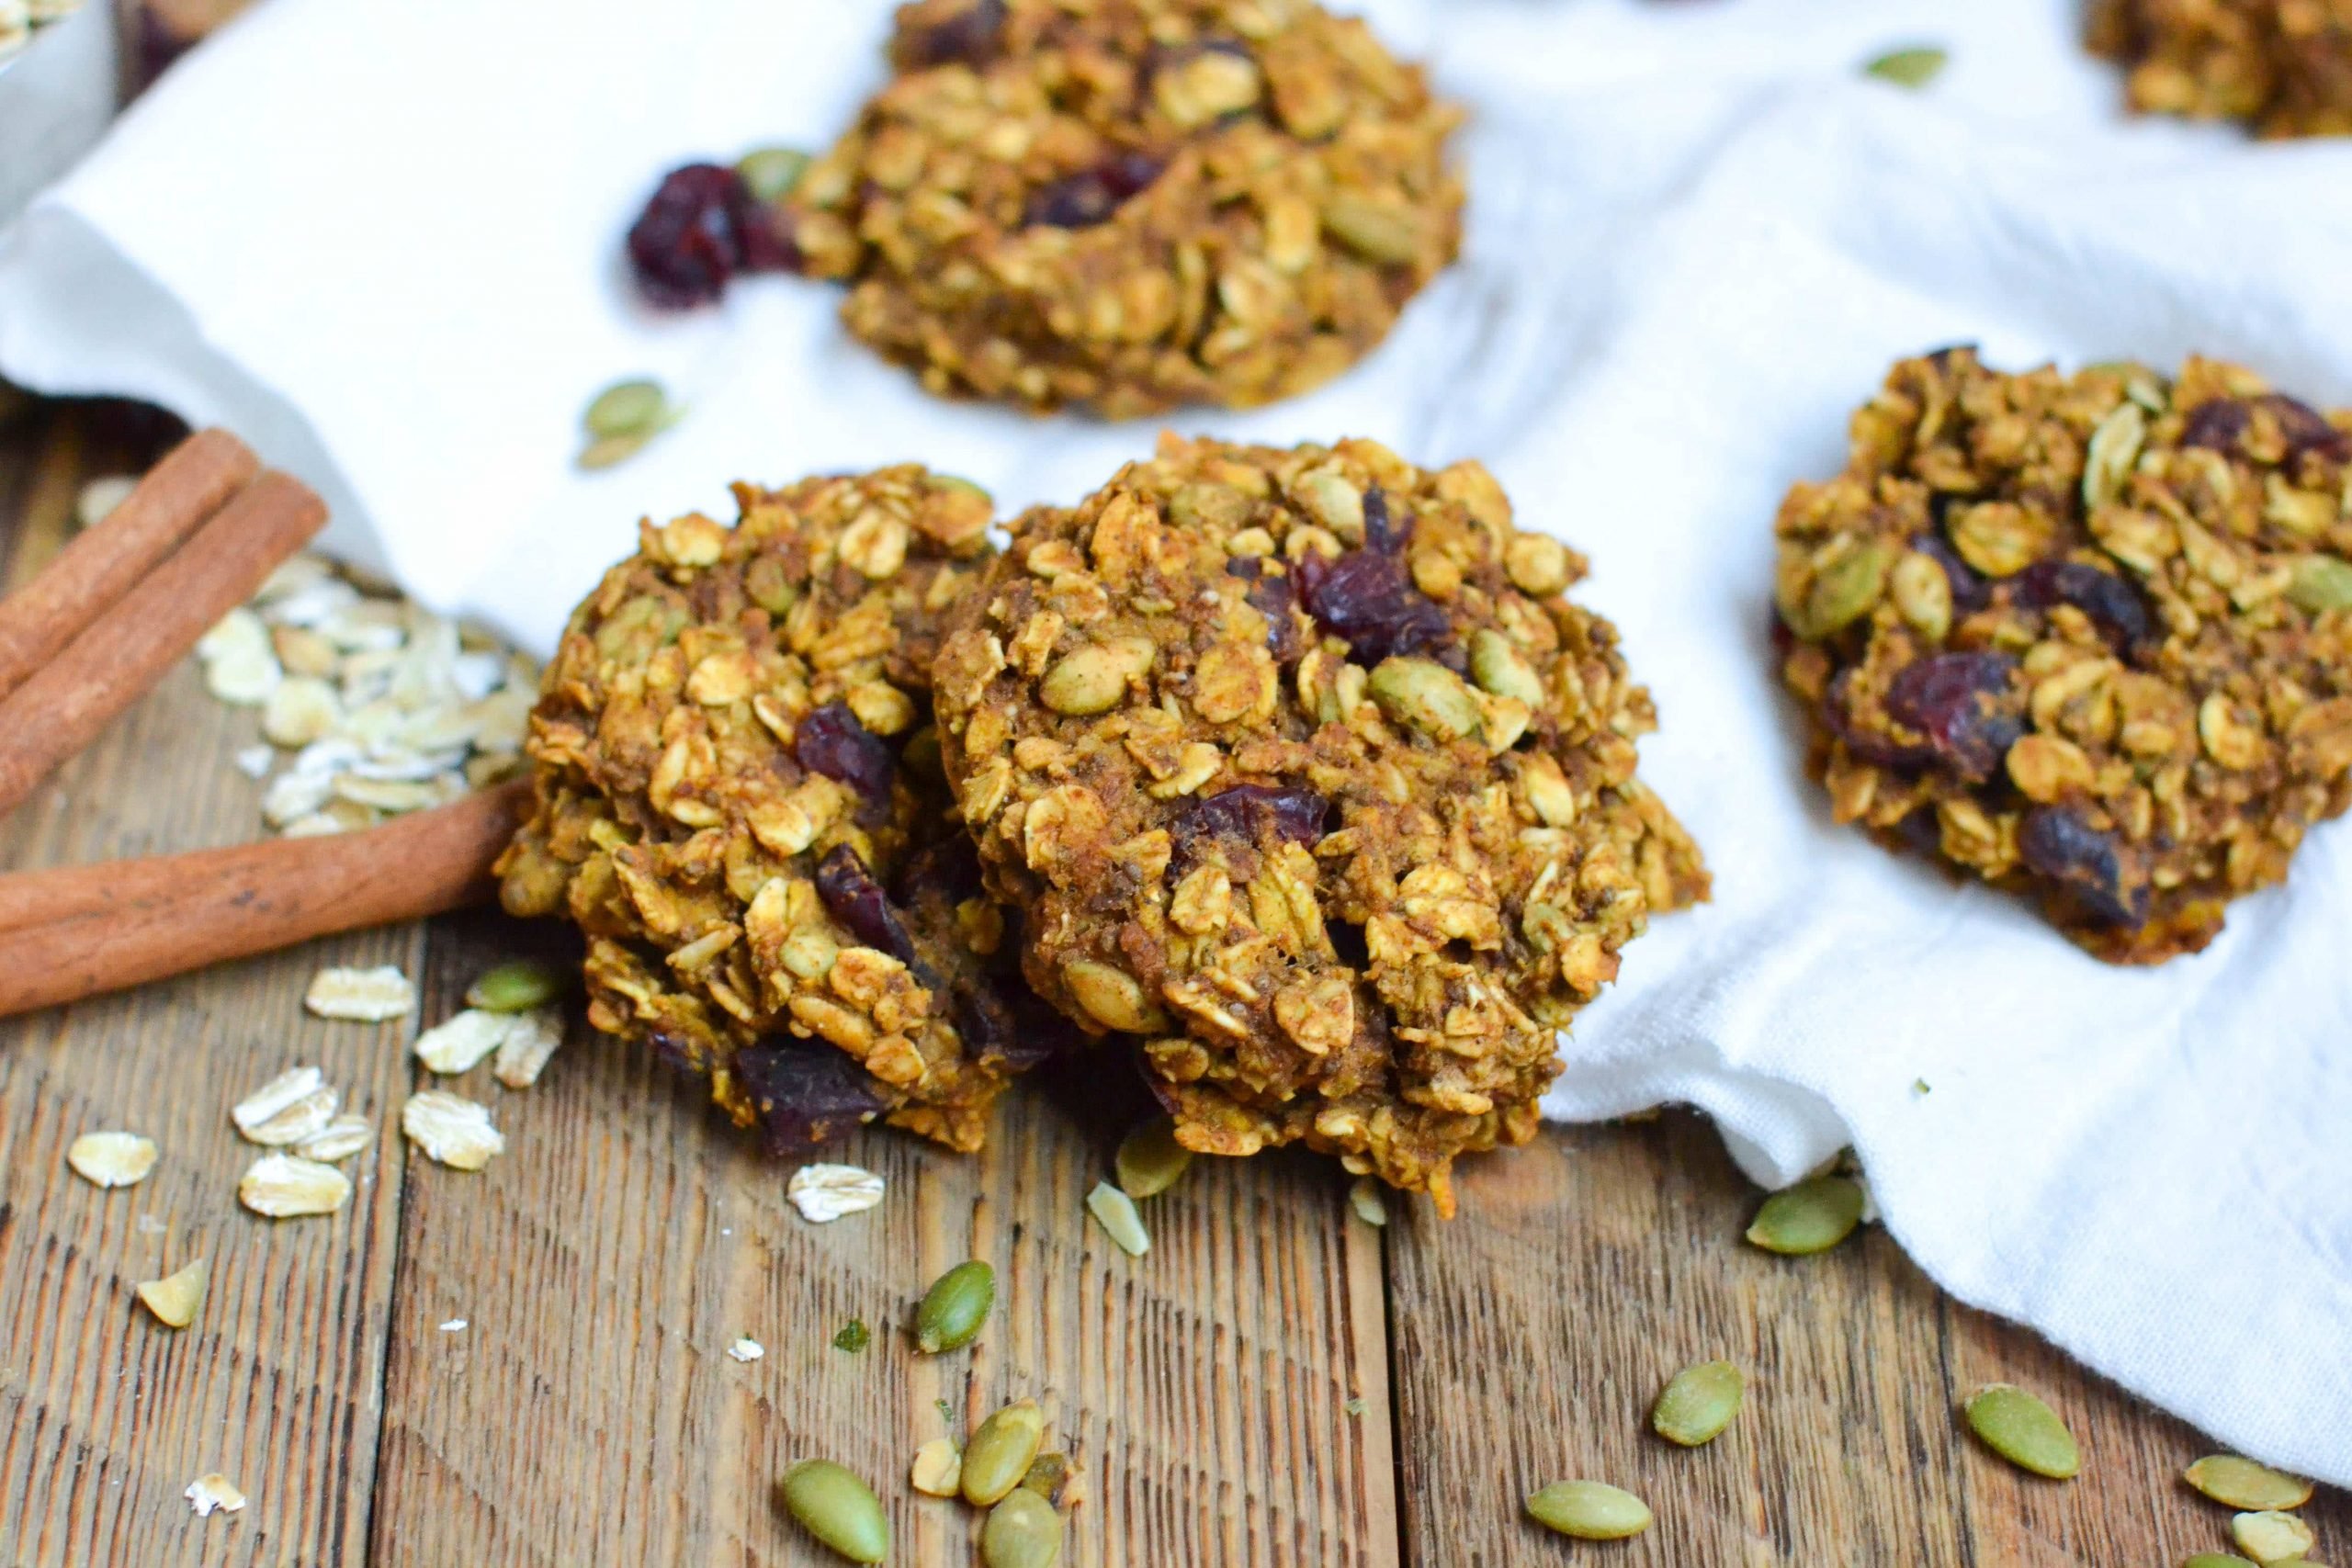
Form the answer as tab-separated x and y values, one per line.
99	566
121	654
69	934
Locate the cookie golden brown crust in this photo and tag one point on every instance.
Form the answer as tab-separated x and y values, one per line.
1132	204
1308	773
2087	638
2284	66
739	802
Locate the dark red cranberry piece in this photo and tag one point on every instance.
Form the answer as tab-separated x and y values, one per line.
1942	358
968	38
1246	813
857	901
2306	428
2114	605
1365	598
701	227
2217	423
949	868
1011	1026
1969	592
807	1094
1090	196
1962	703
1379	533
831	742
1271	595
2060	845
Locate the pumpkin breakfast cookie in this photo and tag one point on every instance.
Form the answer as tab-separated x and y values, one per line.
740	803
1132	204
2284	66
2085	636
1308	775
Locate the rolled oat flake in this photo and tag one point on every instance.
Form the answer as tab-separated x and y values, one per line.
1699	1403
1589	1511
2023	1431
955	1307
838	1509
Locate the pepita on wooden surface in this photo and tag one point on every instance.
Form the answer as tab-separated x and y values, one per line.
1151	1160
1812	1216
839	1509
1001	1452
2023	1431
1023	1531
954	1308
1699	1403
1589	1511
2242	1484
517	985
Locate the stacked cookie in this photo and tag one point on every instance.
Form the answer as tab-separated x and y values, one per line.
1292	778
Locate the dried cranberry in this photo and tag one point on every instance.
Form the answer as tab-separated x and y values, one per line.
1379	533
1246	813
807	1094
1090	196
2217	423
2060	845
1011	1026
1942	358
2306	428
1365	598
949	868
1969	592
2114	605
857	901
1962	703
701	227
831	742
968	38
1271	595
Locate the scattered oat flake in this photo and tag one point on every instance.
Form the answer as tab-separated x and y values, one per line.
363	996
285	1186
338	1140
1365	1199
174	1298
253	762
455	1325
826	1192
207	1493
747	1350
288	1109
452	1129
454	1046
531	1039
112	1159
1354	1406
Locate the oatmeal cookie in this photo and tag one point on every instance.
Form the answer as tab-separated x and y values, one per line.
2284	66
735	768
1308	773
1132	204
2087	638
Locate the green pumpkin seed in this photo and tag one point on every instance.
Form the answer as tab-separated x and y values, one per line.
1811	1216
837	1509
1151	1160
1496	666
852	1336
610	451
1002	1451
1023	1531
1699	1403
1913	67
2271	1536
954	1308
1048	1473
1116	1212
2242	1484
626	407
1846	589
2217	1559
1589	1511
1425	698
2321	583
2023	1431
516	987
770	173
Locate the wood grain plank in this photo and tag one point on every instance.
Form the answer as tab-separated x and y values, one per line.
1533	1332
105	1416
589	1413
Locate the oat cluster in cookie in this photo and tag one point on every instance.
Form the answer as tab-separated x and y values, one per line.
2284	66
2085	636
1308	775
739	803
1132	204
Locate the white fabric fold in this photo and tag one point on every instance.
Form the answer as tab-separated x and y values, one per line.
381	239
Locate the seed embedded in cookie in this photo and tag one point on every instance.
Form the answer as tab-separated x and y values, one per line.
1132	205
2283	66
2085	636
740	803
1306	772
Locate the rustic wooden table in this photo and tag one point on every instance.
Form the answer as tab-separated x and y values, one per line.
1275	1384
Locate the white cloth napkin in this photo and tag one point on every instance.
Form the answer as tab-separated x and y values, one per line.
381	239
